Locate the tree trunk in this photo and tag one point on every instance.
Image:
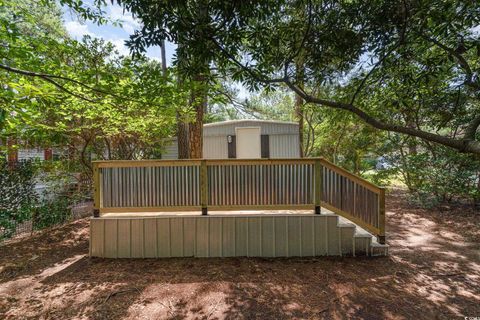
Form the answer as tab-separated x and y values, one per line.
164	58
12	152
299	107
198	102
411	141
182	138
300	118
182	126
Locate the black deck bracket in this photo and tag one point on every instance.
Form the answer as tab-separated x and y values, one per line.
381	239
96	213
204	211
318	210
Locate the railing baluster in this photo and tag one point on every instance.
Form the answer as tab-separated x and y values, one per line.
381	215
96	190
204	186
318	186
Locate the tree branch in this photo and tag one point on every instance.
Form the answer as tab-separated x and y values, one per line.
46	78
461	61
245	68
364	80
305	35
463	145
49	78
472	128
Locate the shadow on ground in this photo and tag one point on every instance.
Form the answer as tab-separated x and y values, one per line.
431	273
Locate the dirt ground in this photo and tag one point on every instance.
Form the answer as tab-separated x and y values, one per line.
433	272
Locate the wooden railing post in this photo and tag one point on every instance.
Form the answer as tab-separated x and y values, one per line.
381	215
96	190
204	187
318	186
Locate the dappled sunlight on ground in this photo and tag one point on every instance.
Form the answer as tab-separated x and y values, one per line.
432	272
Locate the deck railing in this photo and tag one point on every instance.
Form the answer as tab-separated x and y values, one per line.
234	184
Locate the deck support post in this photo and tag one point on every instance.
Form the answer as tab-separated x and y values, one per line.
204	187
381	216
96	190
318	186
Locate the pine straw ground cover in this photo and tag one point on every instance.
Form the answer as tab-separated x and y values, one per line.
433	271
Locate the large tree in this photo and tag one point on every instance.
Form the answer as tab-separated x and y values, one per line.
354	44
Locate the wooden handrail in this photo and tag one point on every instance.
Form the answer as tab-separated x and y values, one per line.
197	162
96	190
380	191
354	177
145	163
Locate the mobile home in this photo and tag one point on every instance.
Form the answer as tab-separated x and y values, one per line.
246	139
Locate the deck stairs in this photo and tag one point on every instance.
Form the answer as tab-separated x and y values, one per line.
355	241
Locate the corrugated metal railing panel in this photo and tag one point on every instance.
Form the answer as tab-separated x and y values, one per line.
349	196
260	185
150	186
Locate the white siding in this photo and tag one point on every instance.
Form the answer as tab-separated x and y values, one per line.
215	147
283	139
171	150
25	154
284	146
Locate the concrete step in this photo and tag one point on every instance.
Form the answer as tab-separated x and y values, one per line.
362	243
346	232
377	249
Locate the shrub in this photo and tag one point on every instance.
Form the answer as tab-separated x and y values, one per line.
440	175
52	211
17	195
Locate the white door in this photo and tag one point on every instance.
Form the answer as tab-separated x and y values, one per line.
248	143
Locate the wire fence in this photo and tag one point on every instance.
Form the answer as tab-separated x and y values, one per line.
37	195
78	211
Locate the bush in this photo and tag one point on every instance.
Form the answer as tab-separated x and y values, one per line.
18	197
51	212
20	202
440	175
54	206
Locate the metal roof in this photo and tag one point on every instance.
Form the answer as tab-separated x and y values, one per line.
230	122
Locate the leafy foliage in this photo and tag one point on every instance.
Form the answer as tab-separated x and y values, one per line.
80	94
380	55
82	97
17	182
51	212
60	195
434	174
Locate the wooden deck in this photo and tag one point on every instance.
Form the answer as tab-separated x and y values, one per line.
222	208
211	213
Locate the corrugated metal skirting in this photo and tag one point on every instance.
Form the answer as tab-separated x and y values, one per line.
217	236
